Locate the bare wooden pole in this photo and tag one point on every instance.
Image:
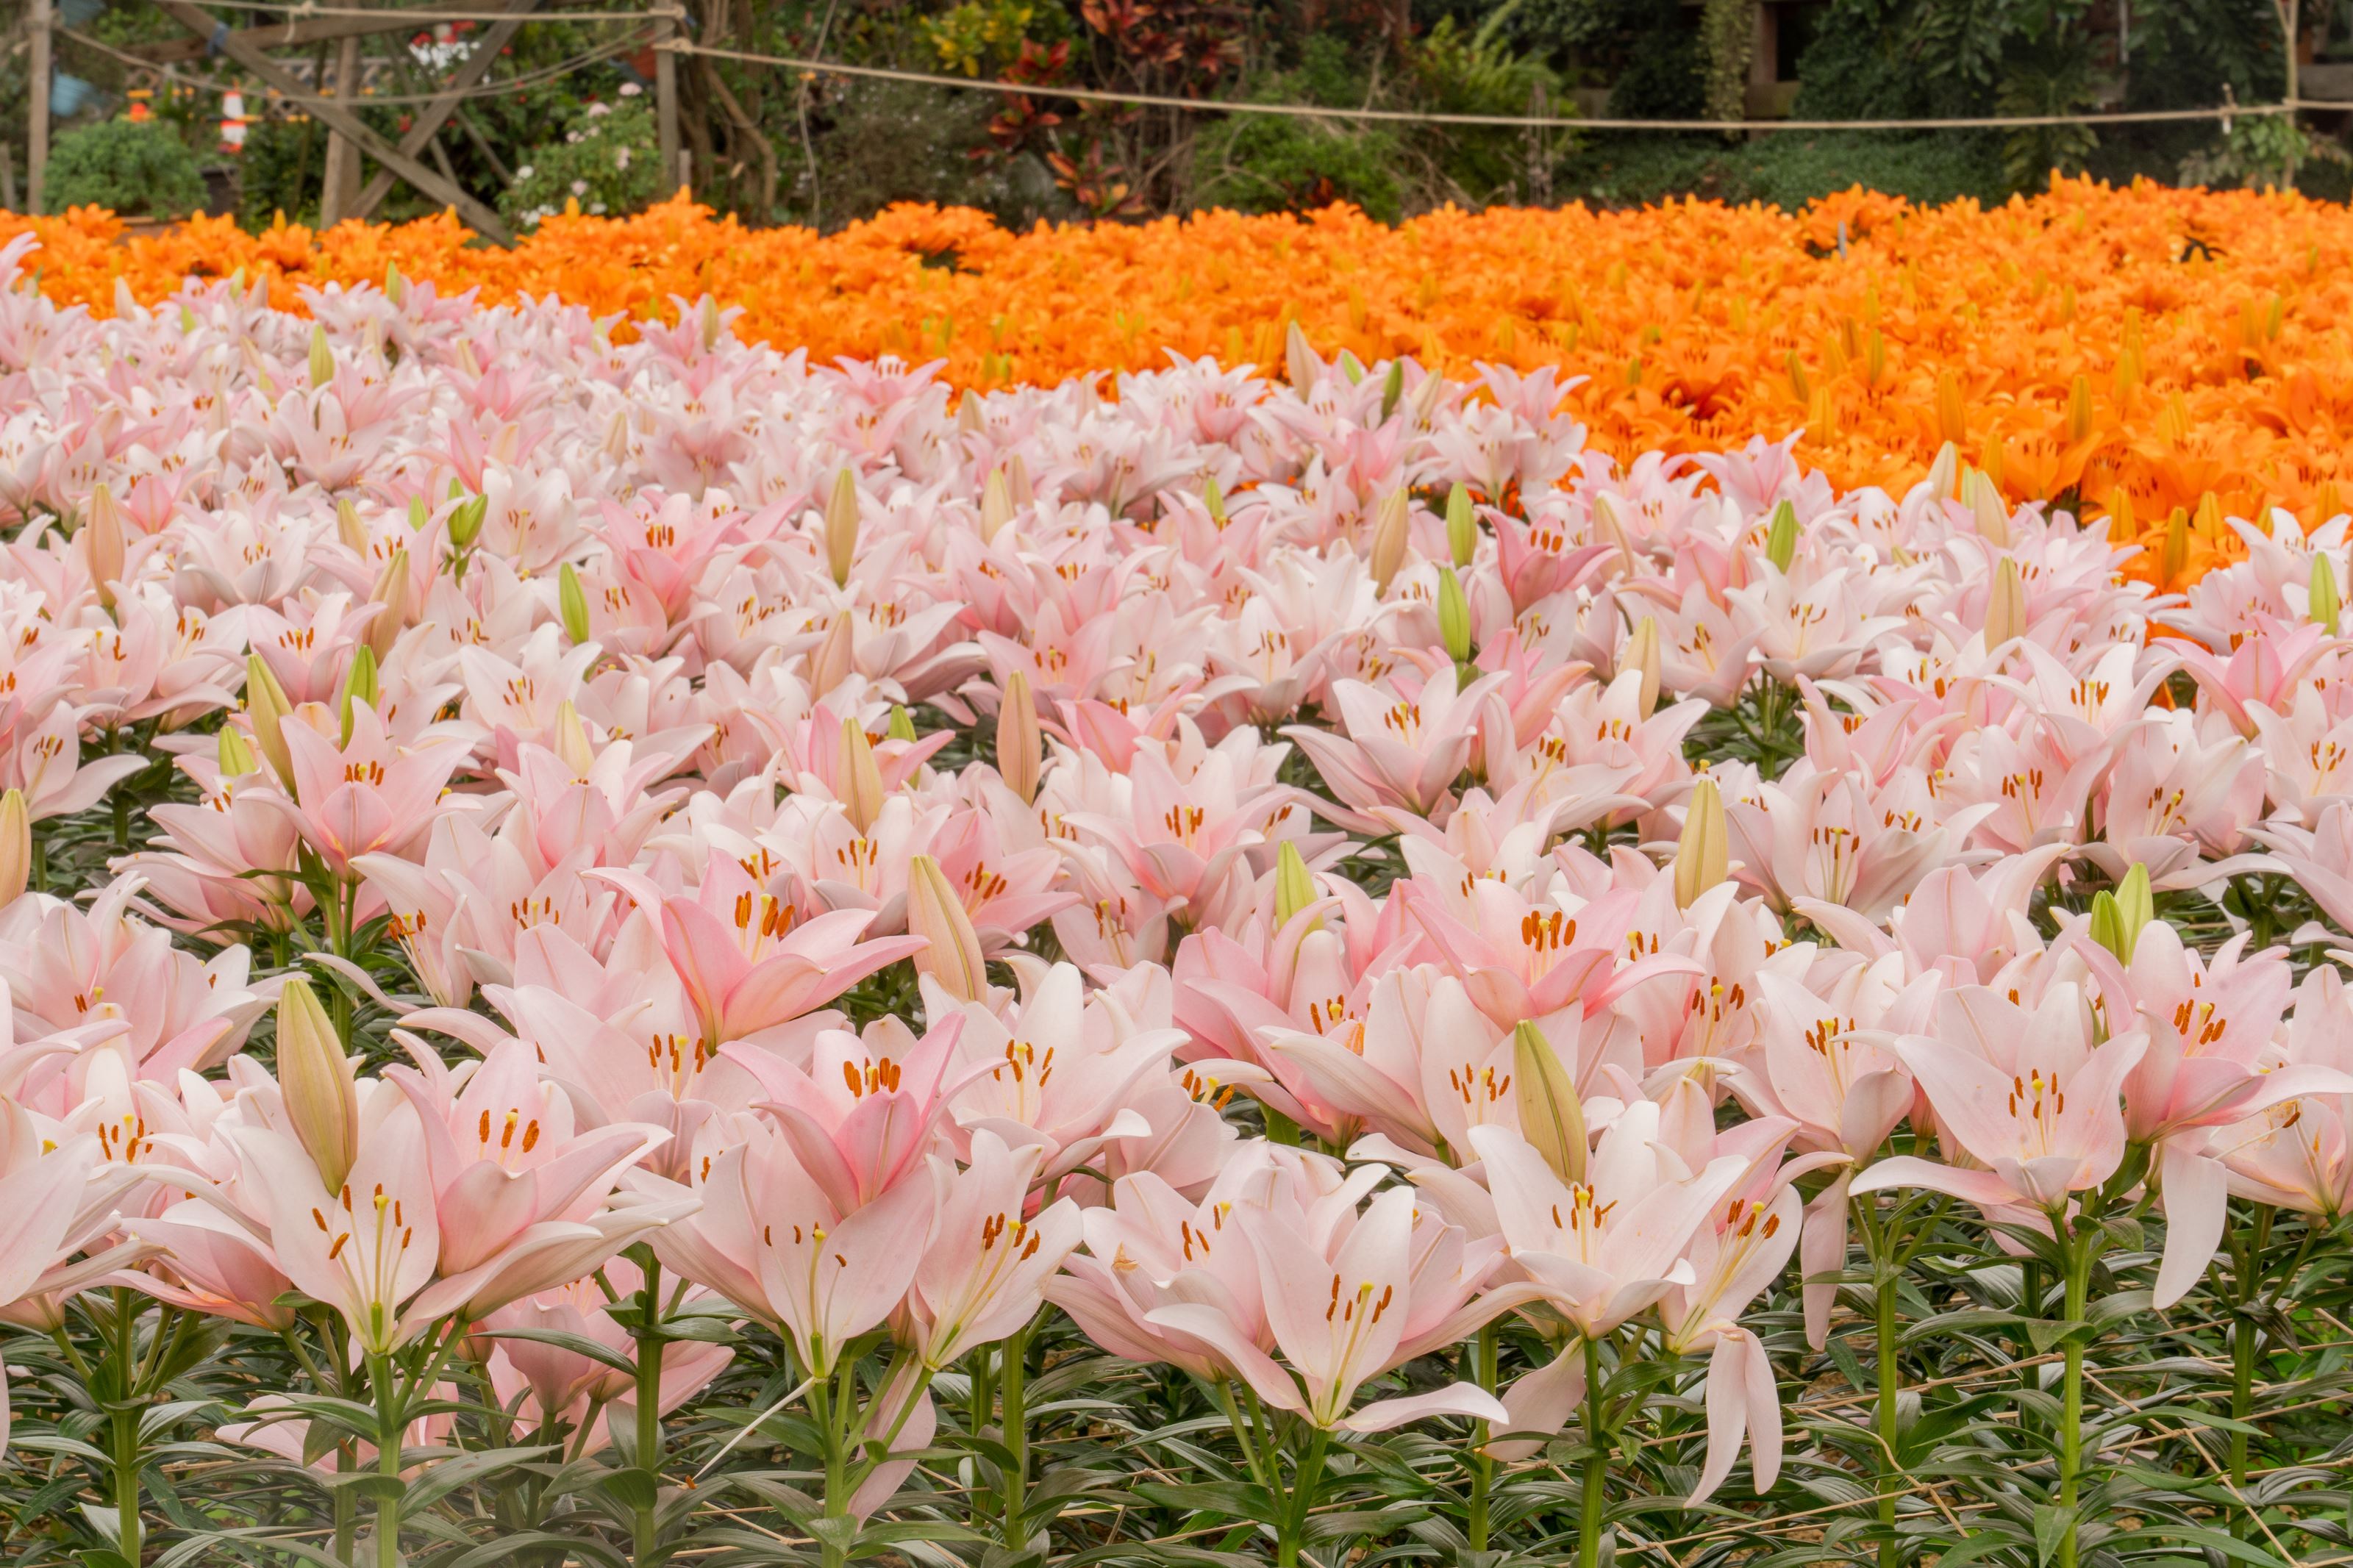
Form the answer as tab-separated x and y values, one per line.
666	101
36	114
435	115
336	117
340	190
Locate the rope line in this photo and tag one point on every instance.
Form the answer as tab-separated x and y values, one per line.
306	12
2224	113
395	100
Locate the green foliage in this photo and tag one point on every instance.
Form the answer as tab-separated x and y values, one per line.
1455	72
2259	150
1663	75
131	168
1264	162
606	162
1787	169
984	37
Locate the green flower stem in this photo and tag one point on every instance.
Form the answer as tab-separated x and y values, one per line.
2079	1251
1483	1468
1882	1242
390	1425
1016	1431
1304	1478
1593	1495
649	1341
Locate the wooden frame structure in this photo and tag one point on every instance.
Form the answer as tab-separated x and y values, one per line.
349	137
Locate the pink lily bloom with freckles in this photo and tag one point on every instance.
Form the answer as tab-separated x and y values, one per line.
2025	1093
512	1176
1152	1247
1343	1309
864	1112
1057	1071
2213	1059
367	793
747	959
984	1274
1403	747
1523	957
769	1239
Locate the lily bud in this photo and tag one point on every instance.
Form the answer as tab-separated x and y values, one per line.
996	504
466	521
969	419
1462	525
572	743
317	1083
2175	557
1020	746
16	846
1352	367
1388	538
1213	501
572	604
2119	918
1702	855
349	528
101	534
419	514
2006	606
857	777
2325	604
709	323
841	526
1453	615
832	660
396	287
323	358
1945	472
1552	1119
1984	502
1392	388
1016	482
1781	536
936	913
359	687
1642	654
391	591
266	704
1020	749
1294	885
236	758
1299	361
902	728
1610	528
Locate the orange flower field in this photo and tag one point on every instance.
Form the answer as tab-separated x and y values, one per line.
2169	357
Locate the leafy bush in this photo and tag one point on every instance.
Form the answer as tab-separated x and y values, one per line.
1788	169
129	168
1265	162
608	162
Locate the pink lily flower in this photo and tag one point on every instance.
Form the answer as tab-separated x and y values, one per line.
749	964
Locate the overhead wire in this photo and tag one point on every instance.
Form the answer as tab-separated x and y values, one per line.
2224	113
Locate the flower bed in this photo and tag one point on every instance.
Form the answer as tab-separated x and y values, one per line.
626	947
2140	349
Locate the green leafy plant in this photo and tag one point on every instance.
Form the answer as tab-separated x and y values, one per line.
135	169
607	162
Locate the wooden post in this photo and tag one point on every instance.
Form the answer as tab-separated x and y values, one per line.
433	116
36	115
8	179
339	192
330	113
666	101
